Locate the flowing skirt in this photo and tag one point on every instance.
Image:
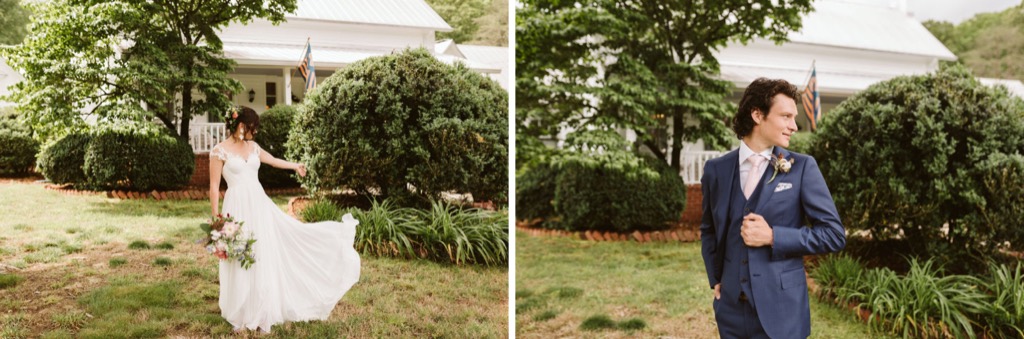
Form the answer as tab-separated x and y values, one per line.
301	270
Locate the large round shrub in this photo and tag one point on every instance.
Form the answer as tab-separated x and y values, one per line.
17	147
387	123
62	161
273	134
907	156
138	159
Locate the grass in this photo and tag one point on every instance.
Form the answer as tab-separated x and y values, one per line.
9	280
126	293
645	290
139	245
115	262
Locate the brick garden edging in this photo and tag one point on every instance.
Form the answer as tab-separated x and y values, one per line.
185	194
671	235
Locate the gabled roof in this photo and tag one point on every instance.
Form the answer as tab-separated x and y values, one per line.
400	13
870	27
448	47
490	55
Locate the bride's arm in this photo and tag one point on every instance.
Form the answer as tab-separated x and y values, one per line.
267	158
216	165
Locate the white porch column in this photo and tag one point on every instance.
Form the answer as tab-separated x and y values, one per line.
287	74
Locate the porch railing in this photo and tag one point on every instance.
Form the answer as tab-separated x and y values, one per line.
203	135
692	165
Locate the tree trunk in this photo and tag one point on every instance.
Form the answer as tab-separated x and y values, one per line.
677	139
186	108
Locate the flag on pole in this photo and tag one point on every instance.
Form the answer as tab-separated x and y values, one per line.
811	101
306	67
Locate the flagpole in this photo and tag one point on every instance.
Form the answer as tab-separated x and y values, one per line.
300	56
808	76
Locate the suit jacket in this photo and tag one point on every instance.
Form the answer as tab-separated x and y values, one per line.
777	276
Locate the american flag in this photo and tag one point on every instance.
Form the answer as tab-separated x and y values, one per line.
306	67
811	101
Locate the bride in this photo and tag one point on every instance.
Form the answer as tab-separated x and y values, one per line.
301	270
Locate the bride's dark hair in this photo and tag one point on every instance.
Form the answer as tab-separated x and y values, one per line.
242	116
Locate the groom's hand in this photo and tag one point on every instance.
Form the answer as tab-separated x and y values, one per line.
718	291
756	232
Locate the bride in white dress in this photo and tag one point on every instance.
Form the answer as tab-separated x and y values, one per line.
301	270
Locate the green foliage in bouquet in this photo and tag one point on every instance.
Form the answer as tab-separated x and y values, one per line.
225	241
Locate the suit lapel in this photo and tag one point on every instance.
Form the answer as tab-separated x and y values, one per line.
726	169
769	189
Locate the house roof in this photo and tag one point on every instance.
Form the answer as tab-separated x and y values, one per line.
247	54
489	55
403	13
870	27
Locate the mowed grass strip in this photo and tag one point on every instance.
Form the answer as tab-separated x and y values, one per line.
567	287
171	289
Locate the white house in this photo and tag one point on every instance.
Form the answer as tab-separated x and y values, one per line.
340	32
852	44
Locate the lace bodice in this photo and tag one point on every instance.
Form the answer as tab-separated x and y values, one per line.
238	167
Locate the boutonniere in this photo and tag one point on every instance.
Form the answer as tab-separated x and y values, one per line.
781	165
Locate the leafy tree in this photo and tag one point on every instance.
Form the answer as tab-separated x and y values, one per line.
990	44
636	65
129	60
13	22
461	15
493	25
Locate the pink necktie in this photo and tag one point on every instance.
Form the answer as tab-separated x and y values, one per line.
753	176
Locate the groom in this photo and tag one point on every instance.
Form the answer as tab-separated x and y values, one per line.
753	234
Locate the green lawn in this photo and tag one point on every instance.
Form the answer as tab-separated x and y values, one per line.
562	282
79	266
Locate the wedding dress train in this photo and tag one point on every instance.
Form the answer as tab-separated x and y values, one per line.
301	270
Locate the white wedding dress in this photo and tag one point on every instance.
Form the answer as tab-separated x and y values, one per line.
301	270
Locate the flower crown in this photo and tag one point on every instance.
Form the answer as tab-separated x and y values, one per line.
231	118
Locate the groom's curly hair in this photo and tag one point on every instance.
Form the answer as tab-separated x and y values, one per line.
759	95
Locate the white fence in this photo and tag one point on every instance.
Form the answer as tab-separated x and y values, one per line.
692	165
203	136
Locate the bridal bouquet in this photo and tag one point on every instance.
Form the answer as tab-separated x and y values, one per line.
225	239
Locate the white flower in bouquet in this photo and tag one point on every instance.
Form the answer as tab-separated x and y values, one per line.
229	229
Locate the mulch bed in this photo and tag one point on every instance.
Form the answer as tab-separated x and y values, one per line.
188	193
681	232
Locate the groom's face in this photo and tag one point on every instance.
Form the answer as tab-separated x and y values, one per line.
779	124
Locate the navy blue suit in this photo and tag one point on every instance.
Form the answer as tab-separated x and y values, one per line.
771	279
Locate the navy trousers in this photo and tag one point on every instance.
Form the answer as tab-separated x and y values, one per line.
738	319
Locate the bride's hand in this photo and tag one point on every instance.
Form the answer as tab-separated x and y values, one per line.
301	170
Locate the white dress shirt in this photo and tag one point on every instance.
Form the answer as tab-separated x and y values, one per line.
746	152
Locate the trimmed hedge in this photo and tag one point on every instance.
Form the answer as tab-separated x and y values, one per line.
18	150
62	161
273	134
603	196
907	156
138	160
535	192
595	184
387	123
